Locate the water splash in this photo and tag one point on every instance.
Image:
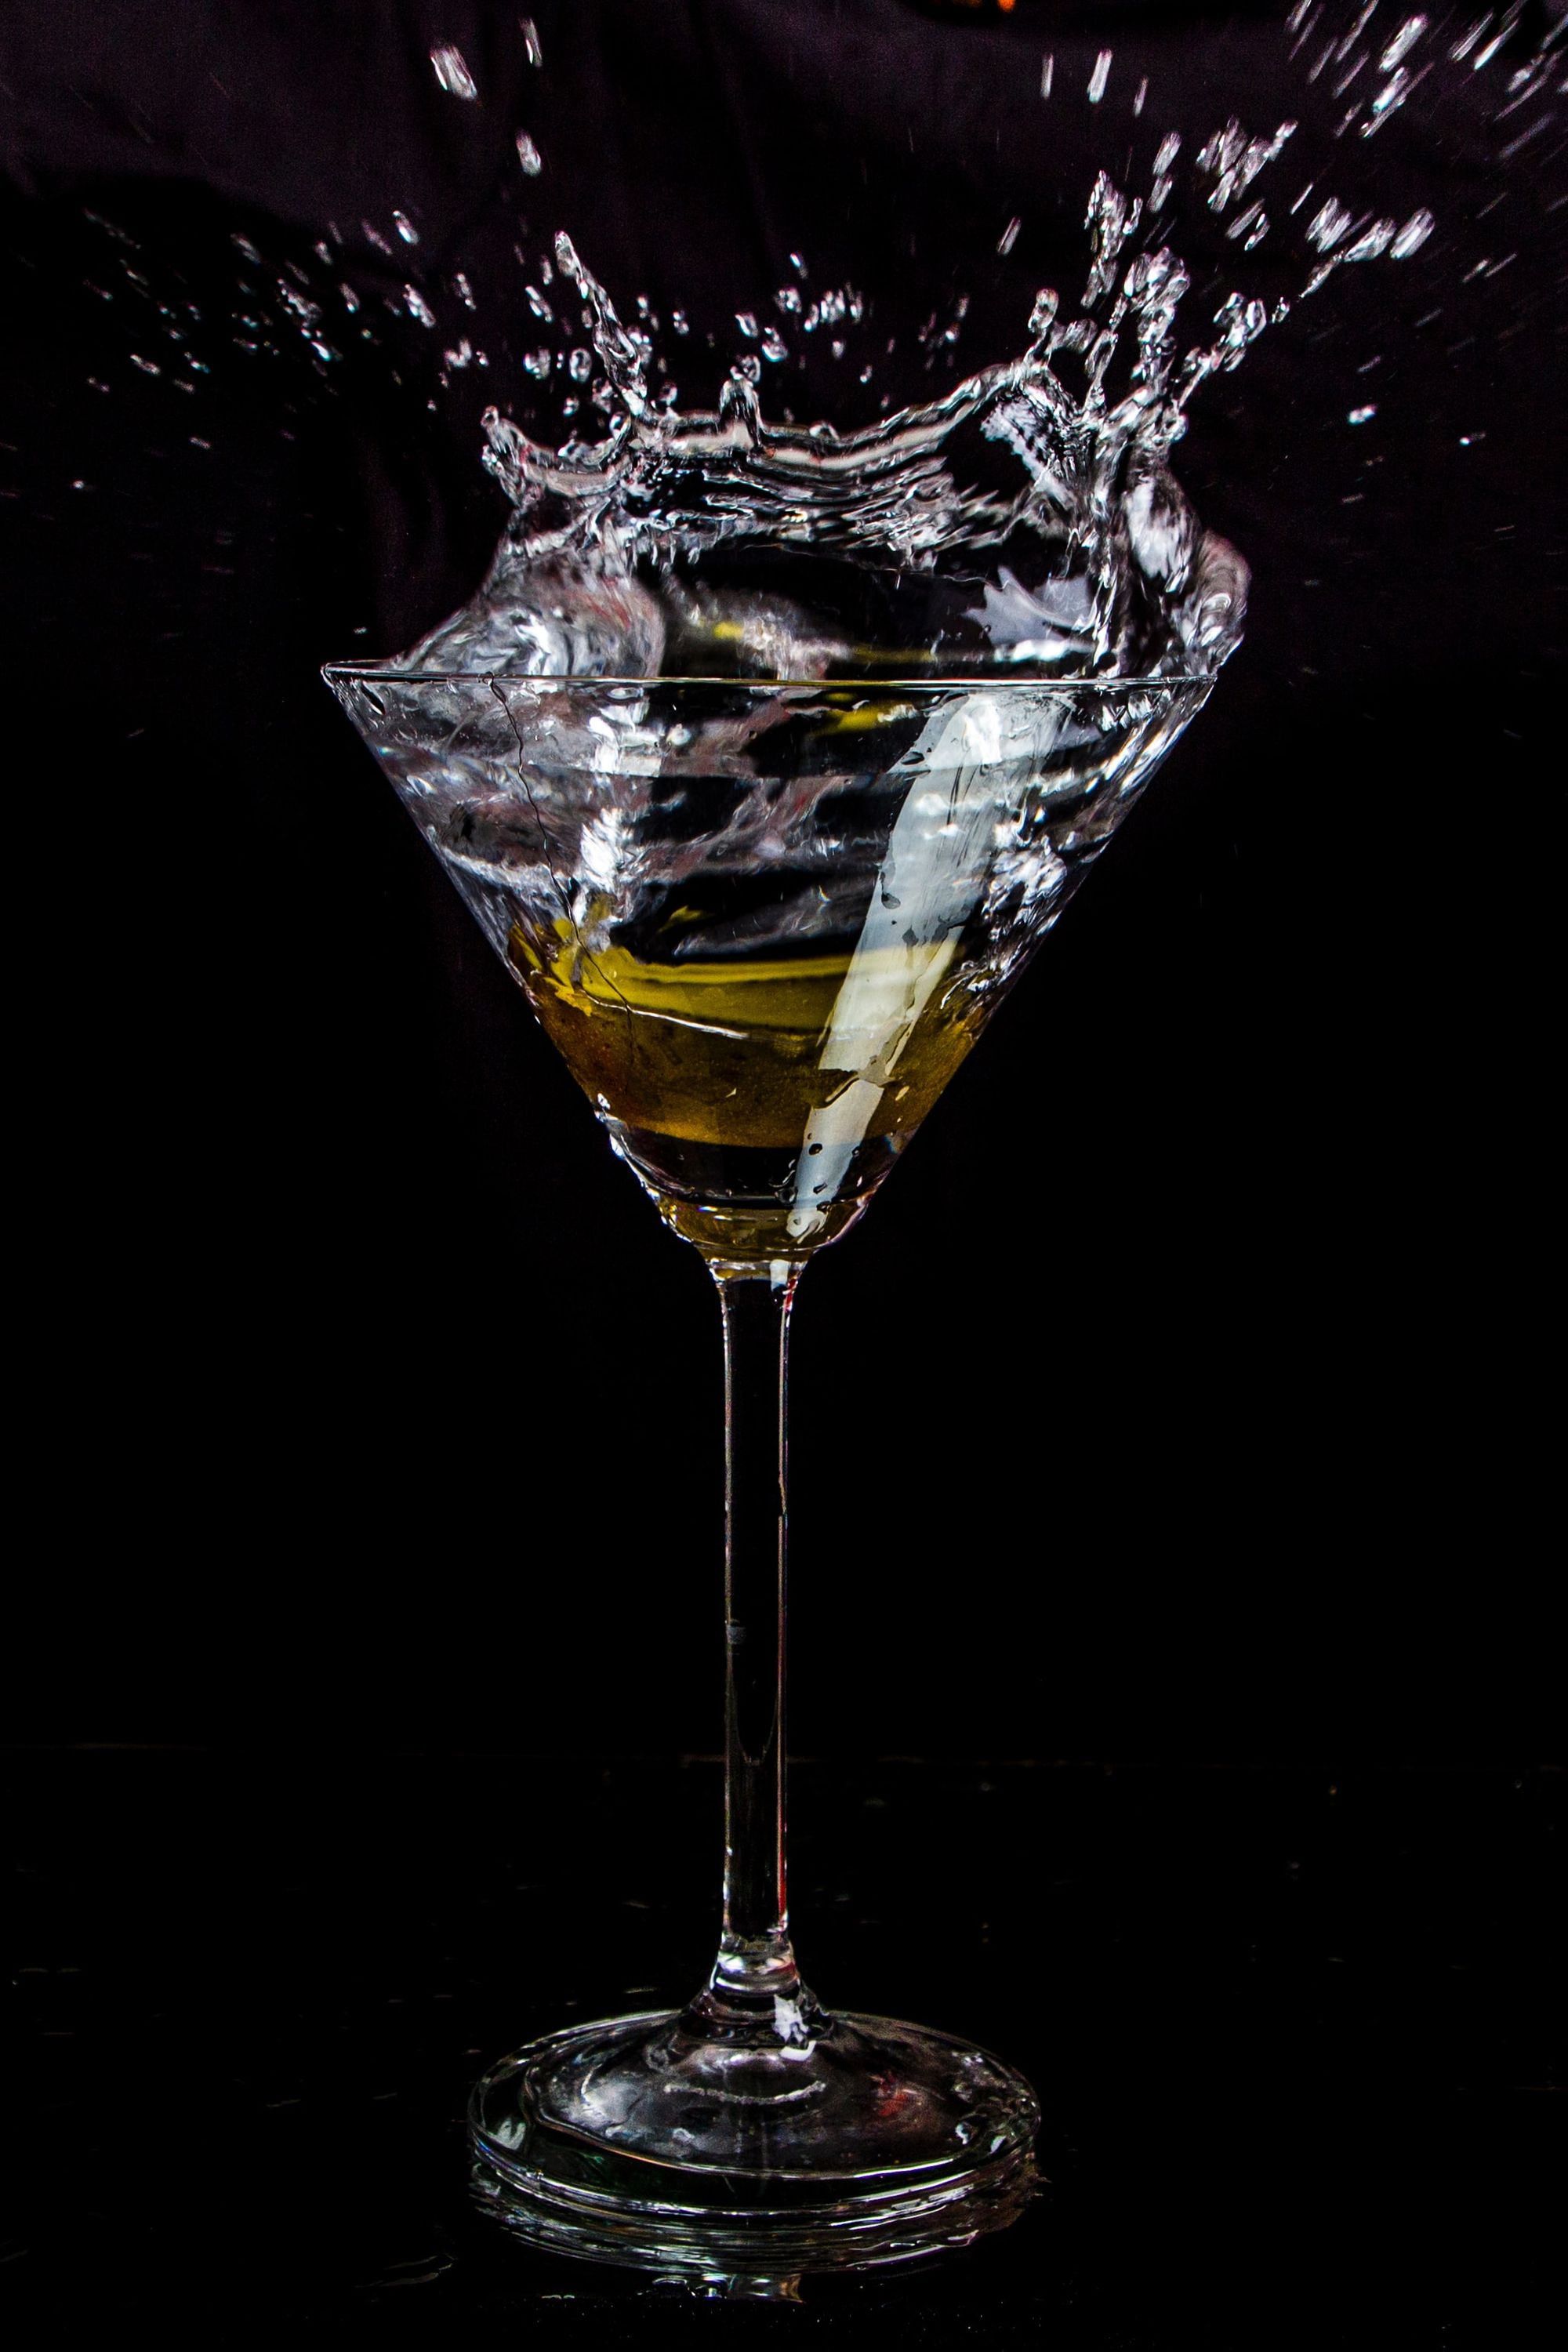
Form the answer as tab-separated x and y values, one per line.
373	298
1026	521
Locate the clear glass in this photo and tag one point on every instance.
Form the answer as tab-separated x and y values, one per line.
764	921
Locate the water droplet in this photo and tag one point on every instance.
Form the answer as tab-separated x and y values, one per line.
1048	73
1142	94
747	324
774	345
452	71
1404	41
1327	228
350	298
1099	76
1009	237
148	367
529	156
531	49
1412	236
1042	317
798	265
417	306
1361	415
1371	244
1467	41
680	322
580	366
405	228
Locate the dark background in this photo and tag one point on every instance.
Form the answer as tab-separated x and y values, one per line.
1177	1519
1186	1397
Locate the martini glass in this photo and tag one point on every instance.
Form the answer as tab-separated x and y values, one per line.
764	921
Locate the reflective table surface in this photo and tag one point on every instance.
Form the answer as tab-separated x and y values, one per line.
1292	2033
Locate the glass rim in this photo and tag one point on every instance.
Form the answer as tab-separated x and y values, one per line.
557	683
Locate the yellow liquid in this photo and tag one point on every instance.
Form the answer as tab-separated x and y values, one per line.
732	1052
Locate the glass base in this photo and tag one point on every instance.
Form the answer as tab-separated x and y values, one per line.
649	2142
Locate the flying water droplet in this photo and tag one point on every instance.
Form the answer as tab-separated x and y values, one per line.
1404	41
1009	237
1048	73
1328	226
1099	76
1361	415
452	71
1390	97
531	49
529	156
1232	159
1371	244
405	228
1042	317
417	306
1488	49
1467	41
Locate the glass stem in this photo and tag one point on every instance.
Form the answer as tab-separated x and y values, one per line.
755	1967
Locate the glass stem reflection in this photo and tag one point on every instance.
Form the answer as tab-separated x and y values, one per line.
755	1966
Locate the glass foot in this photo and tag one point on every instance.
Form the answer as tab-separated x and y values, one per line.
836	2144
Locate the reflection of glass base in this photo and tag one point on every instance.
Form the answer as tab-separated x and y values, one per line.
641	2141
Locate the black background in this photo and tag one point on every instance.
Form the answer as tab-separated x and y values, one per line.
1186	1396
1176	1455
